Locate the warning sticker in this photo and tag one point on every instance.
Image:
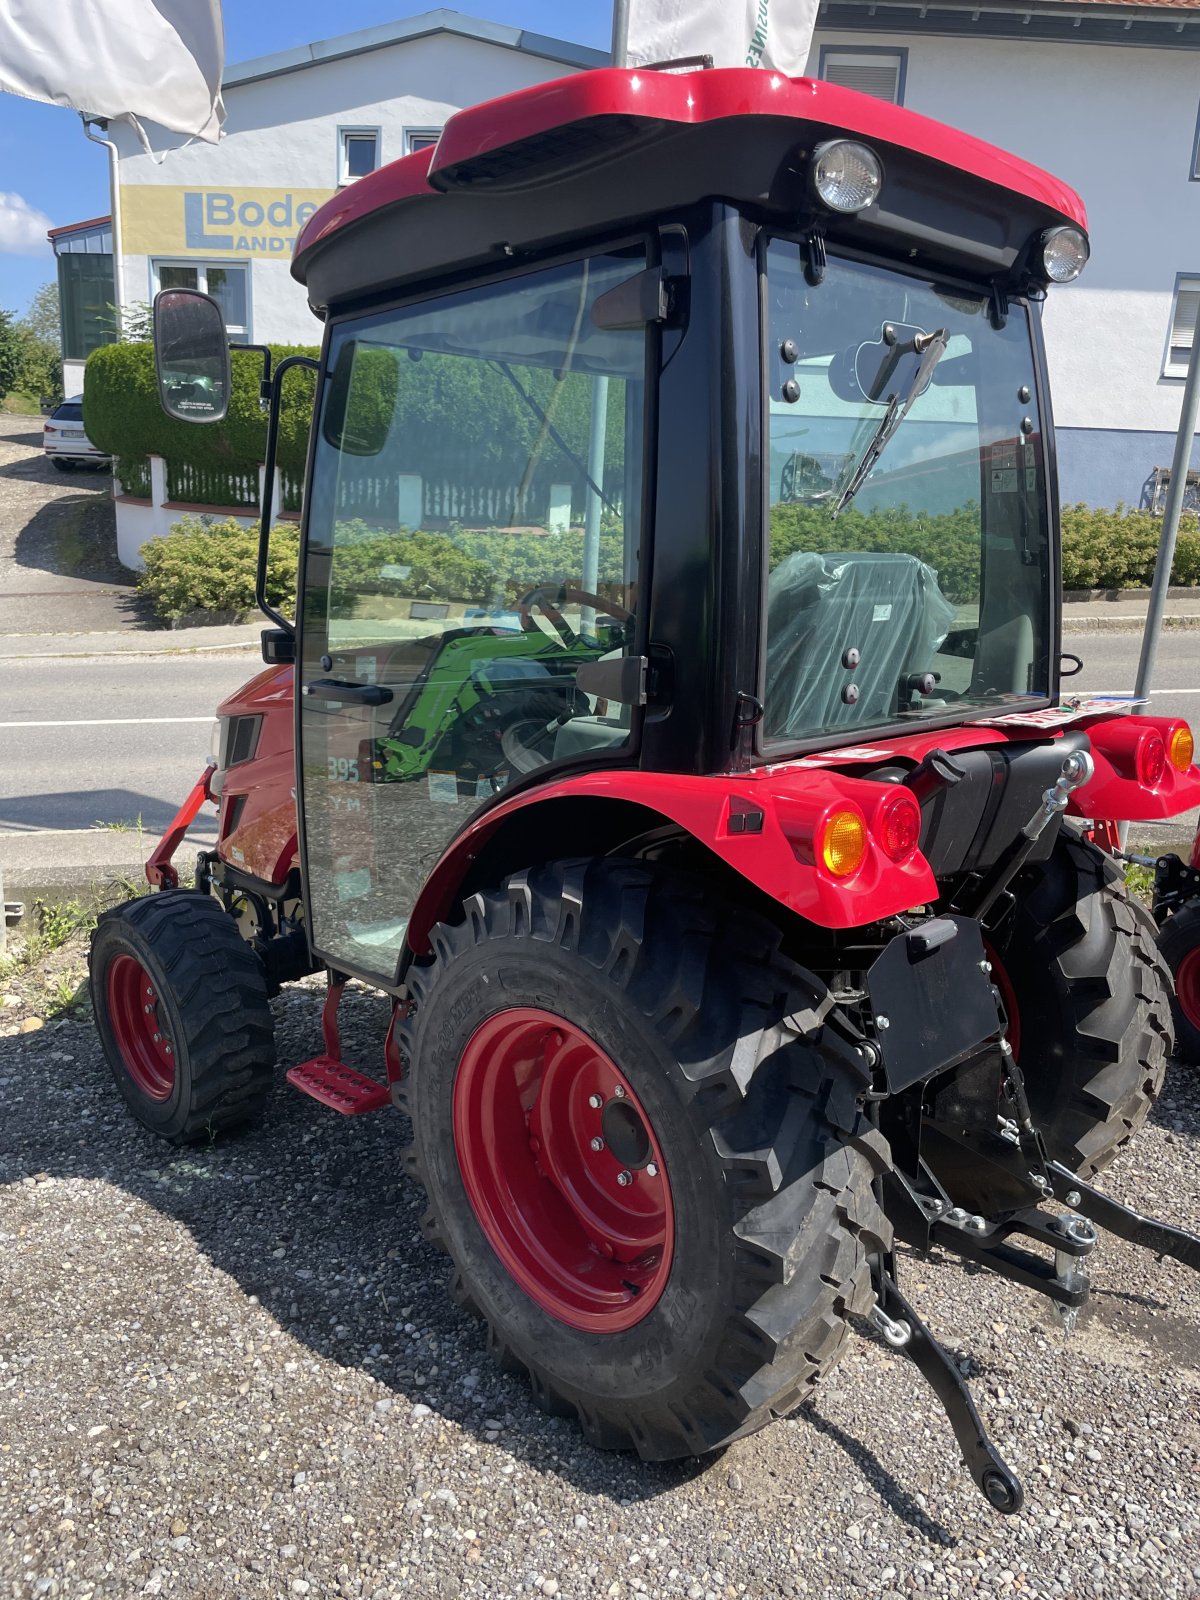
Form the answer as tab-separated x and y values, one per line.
443	786
1004	480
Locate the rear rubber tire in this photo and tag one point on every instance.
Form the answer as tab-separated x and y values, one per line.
1092	1000
1179	945
753	1104
210	1004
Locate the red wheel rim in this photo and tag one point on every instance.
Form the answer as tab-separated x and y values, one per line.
563	1170
1187	987
141	1034
1008	994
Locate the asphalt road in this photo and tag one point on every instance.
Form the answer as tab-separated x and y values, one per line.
92	745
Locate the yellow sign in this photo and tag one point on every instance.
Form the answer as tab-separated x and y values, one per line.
161	220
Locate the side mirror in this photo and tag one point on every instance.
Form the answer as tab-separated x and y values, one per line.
361	399
191	353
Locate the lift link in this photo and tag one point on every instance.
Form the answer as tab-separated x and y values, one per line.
895	1317
1123	1222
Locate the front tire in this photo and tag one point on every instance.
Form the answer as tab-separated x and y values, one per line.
1179	944
180	1002
1088	1002
643	1153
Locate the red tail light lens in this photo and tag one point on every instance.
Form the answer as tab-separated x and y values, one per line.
1151	759
898	825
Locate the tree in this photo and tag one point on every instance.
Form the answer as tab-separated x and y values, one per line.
42	319
12	353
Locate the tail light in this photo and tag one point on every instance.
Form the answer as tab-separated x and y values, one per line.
1151	758
842	841
897	825
1181	747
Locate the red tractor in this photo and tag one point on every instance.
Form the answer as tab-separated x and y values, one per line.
670	730
1176	908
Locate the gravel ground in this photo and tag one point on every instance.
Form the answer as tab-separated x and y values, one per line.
233	1368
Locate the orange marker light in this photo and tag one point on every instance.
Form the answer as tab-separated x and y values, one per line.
843	842
1181	747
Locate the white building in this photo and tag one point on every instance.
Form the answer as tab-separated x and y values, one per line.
300	125
1106	97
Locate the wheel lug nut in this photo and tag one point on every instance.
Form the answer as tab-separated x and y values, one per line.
149	1010
619	1092
597	1143
158	1038
595	1101
170	1052
652	1169
624	1179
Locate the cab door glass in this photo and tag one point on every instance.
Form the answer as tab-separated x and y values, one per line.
473	542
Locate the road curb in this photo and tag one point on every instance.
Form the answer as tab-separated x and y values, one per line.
1126	624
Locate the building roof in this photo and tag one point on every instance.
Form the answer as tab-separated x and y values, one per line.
1160	24
404	32
78	227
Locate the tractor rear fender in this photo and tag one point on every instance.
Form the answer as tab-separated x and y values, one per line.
1134	780
769	828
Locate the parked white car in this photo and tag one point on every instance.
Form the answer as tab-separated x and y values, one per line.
65	442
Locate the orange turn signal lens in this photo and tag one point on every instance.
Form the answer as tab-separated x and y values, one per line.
843	842
1181	747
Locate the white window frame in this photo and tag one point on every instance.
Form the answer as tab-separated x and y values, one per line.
237	334
868	55
1186	283
343	164
420	138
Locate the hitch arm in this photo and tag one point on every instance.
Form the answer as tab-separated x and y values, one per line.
904	1330
1117	1219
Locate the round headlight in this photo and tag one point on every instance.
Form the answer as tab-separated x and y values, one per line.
846	175
1064	254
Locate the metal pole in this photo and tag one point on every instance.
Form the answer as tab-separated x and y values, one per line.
620	33
1184	440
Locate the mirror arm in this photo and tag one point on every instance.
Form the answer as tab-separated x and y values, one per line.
264	383
274	391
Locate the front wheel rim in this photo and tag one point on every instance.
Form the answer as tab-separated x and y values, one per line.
563	1170
1187	988
141	1034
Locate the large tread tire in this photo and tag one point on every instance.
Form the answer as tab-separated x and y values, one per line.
1179	946
211	995
1093	999
754	1104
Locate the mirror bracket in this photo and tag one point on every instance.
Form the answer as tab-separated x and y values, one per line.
275	392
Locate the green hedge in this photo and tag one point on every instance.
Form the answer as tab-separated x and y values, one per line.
1118	549
206	568
123	417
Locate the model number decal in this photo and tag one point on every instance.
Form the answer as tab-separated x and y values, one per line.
342	770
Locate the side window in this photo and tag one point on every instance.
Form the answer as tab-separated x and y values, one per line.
473	551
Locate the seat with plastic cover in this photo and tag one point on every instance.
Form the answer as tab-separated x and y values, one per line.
886	607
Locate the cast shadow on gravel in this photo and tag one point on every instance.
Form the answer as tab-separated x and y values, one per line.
297	1212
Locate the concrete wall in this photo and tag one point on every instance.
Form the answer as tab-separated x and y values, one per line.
1120	126
281	138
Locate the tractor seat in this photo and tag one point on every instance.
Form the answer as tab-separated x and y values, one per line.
887	607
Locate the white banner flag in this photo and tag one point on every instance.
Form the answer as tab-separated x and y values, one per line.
158	59
735	33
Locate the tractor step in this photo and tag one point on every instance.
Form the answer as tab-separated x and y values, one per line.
339	1086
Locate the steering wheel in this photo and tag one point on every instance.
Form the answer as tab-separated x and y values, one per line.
548	598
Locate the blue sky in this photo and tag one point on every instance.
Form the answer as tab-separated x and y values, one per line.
50	174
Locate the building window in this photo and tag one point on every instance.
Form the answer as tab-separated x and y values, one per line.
1185	314
868	69
226	283
420	139
85	297
358	153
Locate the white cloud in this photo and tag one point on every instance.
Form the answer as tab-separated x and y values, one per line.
22	227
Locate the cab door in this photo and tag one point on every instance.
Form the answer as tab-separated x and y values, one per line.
473	539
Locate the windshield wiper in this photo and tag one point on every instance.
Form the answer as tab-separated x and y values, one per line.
931	347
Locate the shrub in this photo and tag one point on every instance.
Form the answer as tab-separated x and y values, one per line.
1118	549
204	567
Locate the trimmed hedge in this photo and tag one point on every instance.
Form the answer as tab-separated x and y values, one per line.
1118	549
123	417
206	568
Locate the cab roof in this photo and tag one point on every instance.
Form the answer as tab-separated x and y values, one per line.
598	151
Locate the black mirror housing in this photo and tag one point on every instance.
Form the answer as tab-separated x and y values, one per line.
278	647
191	355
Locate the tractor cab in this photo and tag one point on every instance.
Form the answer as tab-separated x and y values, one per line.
669	725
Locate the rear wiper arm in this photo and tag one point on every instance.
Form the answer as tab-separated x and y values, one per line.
931	347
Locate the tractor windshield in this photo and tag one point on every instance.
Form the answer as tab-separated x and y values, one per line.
909	557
